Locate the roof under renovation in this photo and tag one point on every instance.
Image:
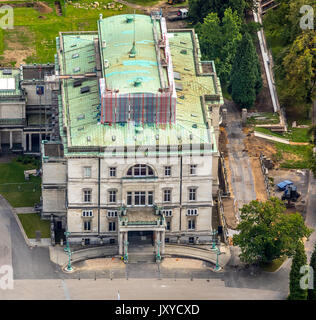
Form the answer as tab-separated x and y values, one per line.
9	83
79	59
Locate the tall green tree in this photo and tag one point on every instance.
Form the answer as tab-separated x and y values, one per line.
267	233
199	9
300	69
312	292
246	81
299	260
219	40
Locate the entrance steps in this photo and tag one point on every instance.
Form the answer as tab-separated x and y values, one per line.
141	253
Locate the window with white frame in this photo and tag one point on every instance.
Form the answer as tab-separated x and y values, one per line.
139	198
87	172
192	212
129	198
87	225
140	170
168	171
112	196
112	226
192	194
193	169
191	224
112	213
87	195
87	213
167	195
112	171
150	198
167	213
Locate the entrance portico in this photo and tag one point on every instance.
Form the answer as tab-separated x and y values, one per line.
129	228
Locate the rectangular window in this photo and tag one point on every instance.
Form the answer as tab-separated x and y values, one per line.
192	212
167	195
87	195
129	198
168	171
112	226
192	194
87	213
112	196
112	213
193	168
150	198
87	225
191	240
191	224
112	172
168	225
87	172
167	213
140	198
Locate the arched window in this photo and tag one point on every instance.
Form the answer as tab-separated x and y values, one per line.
140	170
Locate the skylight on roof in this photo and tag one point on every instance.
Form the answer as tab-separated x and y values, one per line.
7	84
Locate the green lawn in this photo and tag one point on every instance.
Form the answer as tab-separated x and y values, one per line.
274	265
271	118
32	222
15	189
40	33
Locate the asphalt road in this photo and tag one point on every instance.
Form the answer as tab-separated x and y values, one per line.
242	179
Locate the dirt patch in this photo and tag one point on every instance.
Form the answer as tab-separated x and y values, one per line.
260	188
42	7
229	213
222	142
100	264
181	263
255	146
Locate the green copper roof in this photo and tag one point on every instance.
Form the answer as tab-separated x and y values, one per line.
195	89
116	43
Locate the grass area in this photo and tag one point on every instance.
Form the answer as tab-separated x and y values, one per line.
1	41
146	3
294	134
15	189
40	33
274	265
271	118
32	222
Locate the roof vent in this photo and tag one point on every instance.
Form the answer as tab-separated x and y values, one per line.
103	44
77	83
77	69
194	125
183	51
191	136
157	136
88	138
85	89
81	117
138	82
129	19
106	63
75	55
113	138
81	128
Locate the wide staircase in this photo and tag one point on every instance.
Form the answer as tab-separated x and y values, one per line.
141	253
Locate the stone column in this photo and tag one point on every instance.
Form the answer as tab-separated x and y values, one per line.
23	141
157	239
162	243
30	141
125	242
11	145
120	243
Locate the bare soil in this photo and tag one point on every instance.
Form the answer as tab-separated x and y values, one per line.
100	264
180	263
260	189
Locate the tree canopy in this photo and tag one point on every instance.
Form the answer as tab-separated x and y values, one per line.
246	80
267	233
299	260
219	40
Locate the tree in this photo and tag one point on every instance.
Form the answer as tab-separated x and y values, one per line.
299	260
300	69
267	233
199	9
312	292
219	41
246	79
